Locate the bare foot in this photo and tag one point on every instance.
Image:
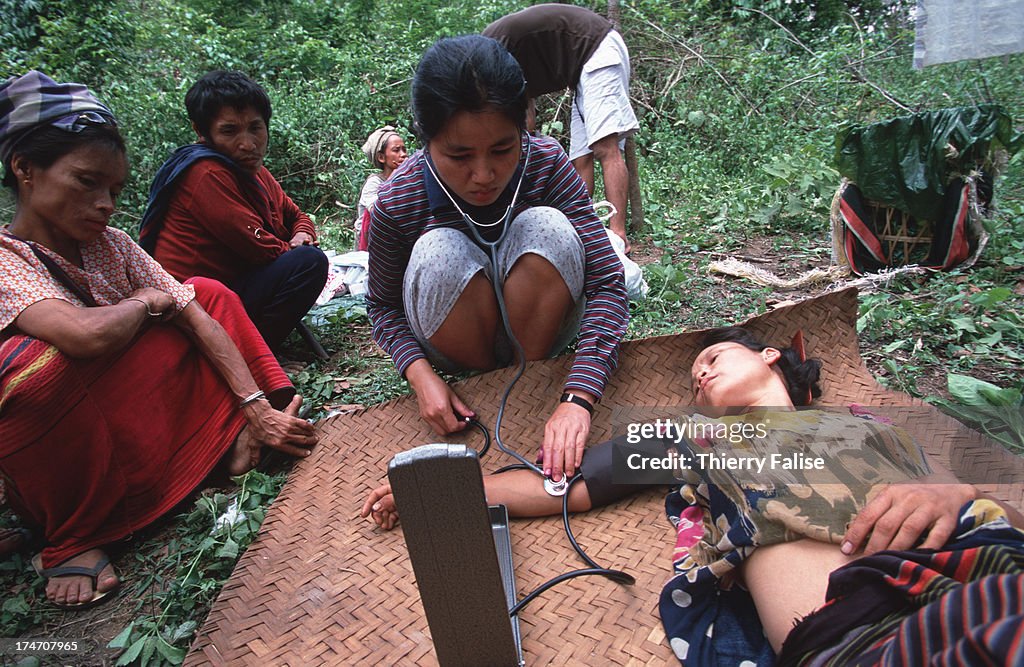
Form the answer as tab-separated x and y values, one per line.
244	454
74	589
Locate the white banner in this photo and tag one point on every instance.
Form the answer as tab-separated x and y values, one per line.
950	30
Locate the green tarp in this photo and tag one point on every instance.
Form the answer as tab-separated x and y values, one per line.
903	162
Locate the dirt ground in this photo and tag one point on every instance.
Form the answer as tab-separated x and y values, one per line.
788	264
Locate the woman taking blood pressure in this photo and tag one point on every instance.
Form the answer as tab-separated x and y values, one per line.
486	202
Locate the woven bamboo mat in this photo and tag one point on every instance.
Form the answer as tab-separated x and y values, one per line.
322	586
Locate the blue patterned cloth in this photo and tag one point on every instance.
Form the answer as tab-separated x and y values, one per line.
722	516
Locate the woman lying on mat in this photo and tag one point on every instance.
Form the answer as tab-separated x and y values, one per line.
481	180
120	388
755	550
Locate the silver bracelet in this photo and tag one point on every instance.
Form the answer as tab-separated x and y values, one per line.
148	311
252	398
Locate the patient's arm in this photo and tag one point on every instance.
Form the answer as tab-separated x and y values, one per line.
521	491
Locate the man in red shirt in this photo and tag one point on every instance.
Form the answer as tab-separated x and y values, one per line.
215	211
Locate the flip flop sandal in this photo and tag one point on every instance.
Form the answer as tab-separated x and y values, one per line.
76	570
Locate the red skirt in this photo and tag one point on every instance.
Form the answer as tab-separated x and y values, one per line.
92	450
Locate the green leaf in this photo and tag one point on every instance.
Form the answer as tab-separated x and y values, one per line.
893	346
1000	397
228	550
967	390
172	654
16	605
148	650
992	338
1006	326
962	324
121	640
184	630
992	296
129	656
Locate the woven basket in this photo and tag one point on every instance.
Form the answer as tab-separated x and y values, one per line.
906	240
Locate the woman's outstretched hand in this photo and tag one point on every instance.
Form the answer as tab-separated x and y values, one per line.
281	430
898	516
439	405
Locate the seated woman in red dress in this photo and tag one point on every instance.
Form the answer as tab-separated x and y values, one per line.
121	389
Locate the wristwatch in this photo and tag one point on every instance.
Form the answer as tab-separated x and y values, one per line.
569	397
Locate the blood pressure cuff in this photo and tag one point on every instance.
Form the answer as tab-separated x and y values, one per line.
606	462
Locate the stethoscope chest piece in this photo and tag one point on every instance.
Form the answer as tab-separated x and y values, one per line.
554	488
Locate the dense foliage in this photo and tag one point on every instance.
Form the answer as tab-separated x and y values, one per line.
739	101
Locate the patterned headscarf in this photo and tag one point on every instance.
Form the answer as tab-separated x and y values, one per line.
376	142
34	99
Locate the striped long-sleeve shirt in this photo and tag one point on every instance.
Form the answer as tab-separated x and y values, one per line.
406	208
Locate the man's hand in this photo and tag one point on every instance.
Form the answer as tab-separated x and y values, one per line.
898	516
302	238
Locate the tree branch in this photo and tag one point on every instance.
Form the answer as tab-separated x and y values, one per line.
849	67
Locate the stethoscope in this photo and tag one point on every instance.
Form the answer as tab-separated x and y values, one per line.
554	488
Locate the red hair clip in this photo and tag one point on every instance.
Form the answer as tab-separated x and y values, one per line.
798	346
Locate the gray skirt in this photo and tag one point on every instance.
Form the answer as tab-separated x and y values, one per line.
444	260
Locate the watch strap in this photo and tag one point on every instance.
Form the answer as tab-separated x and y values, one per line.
569	397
